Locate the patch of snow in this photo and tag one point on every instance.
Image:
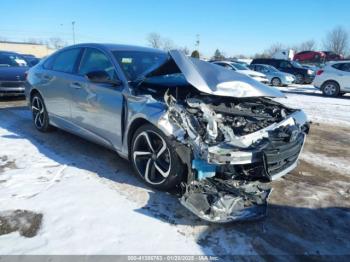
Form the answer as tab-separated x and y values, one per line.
88	207
317	107
336	164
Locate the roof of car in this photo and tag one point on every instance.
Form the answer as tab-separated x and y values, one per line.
8	52
223	61
114	47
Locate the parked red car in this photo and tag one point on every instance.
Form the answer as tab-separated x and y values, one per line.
331	56
310	56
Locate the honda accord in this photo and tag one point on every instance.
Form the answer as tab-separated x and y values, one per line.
215	135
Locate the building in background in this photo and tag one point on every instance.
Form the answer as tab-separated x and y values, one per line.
38	50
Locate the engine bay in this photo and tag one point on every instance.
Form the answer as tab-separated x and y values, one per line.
233	147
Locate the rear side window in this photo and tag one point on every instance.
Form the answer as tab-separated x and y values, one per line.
95	60
342	66
66	60
346	67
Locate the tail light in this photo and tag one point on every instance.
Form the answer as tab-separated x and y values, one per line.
319	72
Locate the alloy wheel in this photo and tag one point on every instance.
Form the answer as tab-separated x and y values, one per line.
38	110
151	157
330	89
276	82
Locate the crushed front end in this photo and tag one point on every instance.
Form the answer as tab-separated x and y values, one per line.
236	146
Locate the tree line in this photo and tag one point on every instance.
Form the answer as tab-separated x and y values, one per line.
336	40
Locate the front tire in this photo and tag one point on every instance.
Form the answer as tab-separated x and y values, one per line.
155	159
330	88
40	115
276	81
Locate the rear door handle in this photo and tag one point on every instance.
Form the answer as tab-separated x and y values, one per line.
76	85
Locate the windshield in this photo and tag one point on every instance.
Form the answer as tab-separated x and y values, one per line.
296	64
239	66
10	60
135	64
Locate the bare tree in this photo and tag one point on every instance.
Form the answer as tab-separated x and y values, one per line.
309	45
154	40
56	43
337	40
35	41
273	49
185	50
168	44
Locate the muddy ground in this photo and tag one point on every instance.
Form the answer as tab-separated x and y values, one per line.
308	213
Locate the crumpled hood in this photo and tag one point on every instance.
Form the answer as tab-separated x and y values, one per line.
216	80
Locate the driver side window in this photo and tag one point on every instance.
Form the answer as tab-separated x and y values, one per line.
95	60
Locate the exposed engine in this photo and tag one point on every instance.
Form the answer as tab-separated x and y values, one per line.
232	147
242	116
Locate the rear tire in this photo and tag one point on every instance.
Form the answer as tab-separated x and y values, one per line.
330	88
40	115
154	158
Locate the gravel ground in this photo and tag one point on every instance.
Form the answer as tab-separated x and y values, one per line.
308	213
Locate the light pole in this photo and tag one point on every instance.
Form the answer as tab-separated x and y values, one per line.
197	42
73	30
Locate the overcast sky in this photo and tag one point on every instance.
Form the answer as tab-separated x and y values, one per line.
233	26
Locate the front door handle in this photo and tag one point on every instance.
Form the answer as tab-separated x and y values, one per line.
76	85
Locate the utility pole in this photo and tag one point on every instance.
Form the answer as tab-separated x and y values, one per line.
73	30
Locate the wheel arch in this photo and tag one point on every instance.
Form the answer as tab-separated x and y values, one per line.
134	125
32	93
329	80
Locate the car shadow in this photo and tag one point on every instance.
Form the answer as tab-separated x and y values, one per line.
70	150
286	233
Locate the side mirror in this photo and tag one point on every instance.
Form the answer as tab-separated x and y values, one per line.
102	77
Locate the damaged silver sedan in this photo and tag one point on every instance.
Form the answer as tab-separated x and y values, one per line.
216	136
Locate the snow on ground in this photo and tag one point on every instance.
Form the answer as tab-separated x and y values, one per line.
91	201
317	107
337	164
90	212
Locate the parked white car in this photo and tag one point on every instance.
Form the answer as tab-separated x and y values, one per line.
241	68
334	78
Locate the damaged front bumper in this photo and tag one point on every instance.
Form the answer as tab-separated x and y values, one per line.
278	159
223	201
229	173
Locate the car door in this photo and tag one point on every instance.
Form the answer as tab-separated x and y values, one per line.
97	108
343	76
55	84
286	66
